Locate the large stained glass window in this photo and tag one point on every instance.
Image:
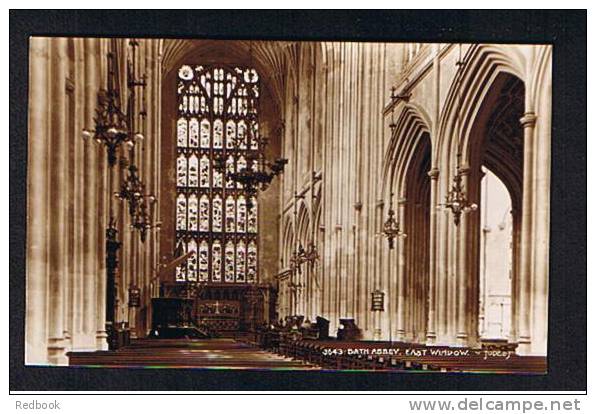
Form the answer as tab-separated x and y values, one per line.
215	217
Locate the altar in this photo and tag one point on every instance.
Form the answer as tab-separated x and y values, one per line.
224	309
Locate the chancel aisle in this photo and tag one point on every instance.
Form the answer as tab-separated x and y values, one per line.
286	204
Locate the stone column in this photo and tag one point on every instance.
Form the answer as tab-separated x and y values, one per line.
528	122
401	274
104	198
473	253
442	259
431	333
133	280
35	341
462	269
57	200
90	209
377	331
151	170
431	330
515	275
541	228
71	136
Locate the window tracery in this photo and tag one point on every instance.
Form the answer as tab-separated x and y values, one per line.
214	215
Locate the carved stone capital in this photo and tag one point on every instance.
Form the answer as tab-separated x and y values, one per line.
463	169
528	120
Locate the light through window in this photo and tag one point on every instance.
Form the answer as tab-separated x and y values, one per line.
215	216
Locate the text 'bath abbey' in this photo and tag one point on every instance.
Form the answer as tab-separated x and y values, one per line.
293	205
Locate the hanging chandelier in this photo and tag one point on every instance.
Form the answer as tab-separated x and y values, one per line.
456	199
310	255
263	171
259	171
140	203
112	125
115	128
301	256
391	227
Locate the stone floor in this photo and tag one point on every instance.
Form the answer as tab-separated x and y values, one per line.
190	353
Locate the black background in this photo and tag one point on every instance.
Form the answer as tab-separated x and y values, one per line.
566	30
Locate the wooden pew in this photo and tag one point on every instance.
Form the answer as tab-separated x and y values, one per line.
336	355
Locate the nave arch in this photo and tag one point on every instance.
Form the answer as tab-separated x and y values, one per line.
407	186
490	118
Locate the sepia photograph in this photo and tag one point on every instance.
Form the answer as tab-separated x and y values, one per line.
288	205
315	207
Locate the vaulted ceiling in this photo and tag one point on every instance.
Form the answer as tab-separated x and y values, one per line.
270	58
